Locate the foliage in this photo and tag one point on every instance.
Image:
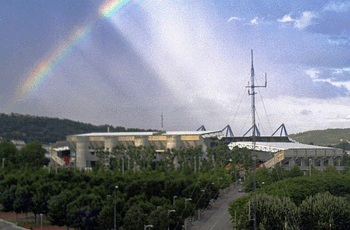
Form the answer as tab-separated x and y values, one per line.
47	130
324	211
322	137
32	156
271	213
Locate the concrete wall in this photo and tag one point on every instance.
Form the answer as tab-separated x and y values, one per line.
85	144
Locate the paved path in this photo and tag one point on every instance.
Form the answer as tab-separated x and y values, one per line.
218	217
6	225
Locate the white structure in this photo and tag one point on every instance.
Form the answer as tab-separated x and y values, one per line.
288	154
85	144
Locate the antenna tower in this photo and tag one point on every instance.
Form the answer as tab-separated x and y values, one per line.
251	92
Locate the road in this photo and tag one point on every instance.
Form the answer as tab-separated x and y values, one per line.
218	217
5	225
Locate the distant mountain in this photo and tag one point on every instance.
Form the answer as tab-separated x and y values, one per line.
328	137
48	130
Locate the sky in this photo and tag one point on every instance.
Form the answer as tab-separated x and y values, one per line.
127	62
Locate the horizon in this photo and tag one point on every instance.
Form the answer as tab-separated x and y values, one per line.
126	63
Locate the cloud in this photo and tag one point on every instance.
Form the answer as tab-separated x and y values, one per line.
334	75
305	112
254	21
305	20
234	18
286	18
337	6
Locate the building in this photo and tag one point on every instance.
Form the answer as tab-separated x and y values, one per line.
80	150
288	154
83	146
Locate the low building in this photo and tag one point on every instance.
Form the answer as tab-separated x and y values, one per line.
288	154
85	145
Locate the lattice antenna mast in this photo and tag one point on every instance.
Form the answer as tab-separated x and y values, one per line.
251	92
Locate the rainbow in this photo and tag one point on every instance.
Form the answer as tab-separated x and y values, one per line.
110	7
47	65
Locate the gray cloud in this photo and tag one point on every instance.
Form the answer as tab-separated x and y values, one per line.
334	76
305	112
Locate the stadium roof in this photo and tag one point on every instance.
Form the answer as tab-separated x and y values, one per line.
166	133
274	146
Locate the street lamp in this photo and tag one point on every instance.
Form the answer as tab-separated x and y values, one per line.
174	197
187	199
41	216
148	226
115	209
310	162
169	211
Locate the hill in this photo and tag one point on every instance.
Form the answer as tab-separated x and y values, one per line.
48	130
328	137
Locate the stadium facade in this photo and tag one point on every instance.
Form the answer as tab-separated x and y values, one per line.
80	150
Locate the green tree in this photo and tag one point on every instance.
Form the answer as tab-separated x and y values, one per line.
135	218
9	152
271	213
32	155
324	211
84	211
23	200
58	208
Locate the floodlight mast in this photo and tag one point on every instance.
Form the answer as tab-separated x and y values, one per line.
251	92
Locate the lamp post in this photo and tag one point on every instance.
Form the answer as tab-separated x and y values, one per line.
41	224
169	211
115	208
174	197
187	199
148	226
310	162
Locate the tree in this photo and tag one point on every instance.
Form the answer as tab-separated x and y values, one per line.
8	197
57	208
40	198
32	155
84	211
9	152
23	200
323	211
271	213
135	218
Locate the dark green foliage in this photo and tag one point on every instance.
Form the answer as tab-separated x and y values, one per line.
31	156
324	211
271	213
135	218
320	199
48	130
83	211
9	152
328	137
85	200
58	208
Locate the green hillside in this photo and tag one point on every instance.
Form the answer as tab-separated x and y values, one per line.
47	130
328	137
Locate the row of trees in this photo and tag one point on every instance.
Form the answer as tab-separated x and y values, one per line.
292	200
32	155
321	211
189	160
86	200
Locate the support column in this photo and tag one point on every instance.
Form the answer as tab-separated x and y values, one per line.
322	162
291	162
141	141
83	143
110	143
331	161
